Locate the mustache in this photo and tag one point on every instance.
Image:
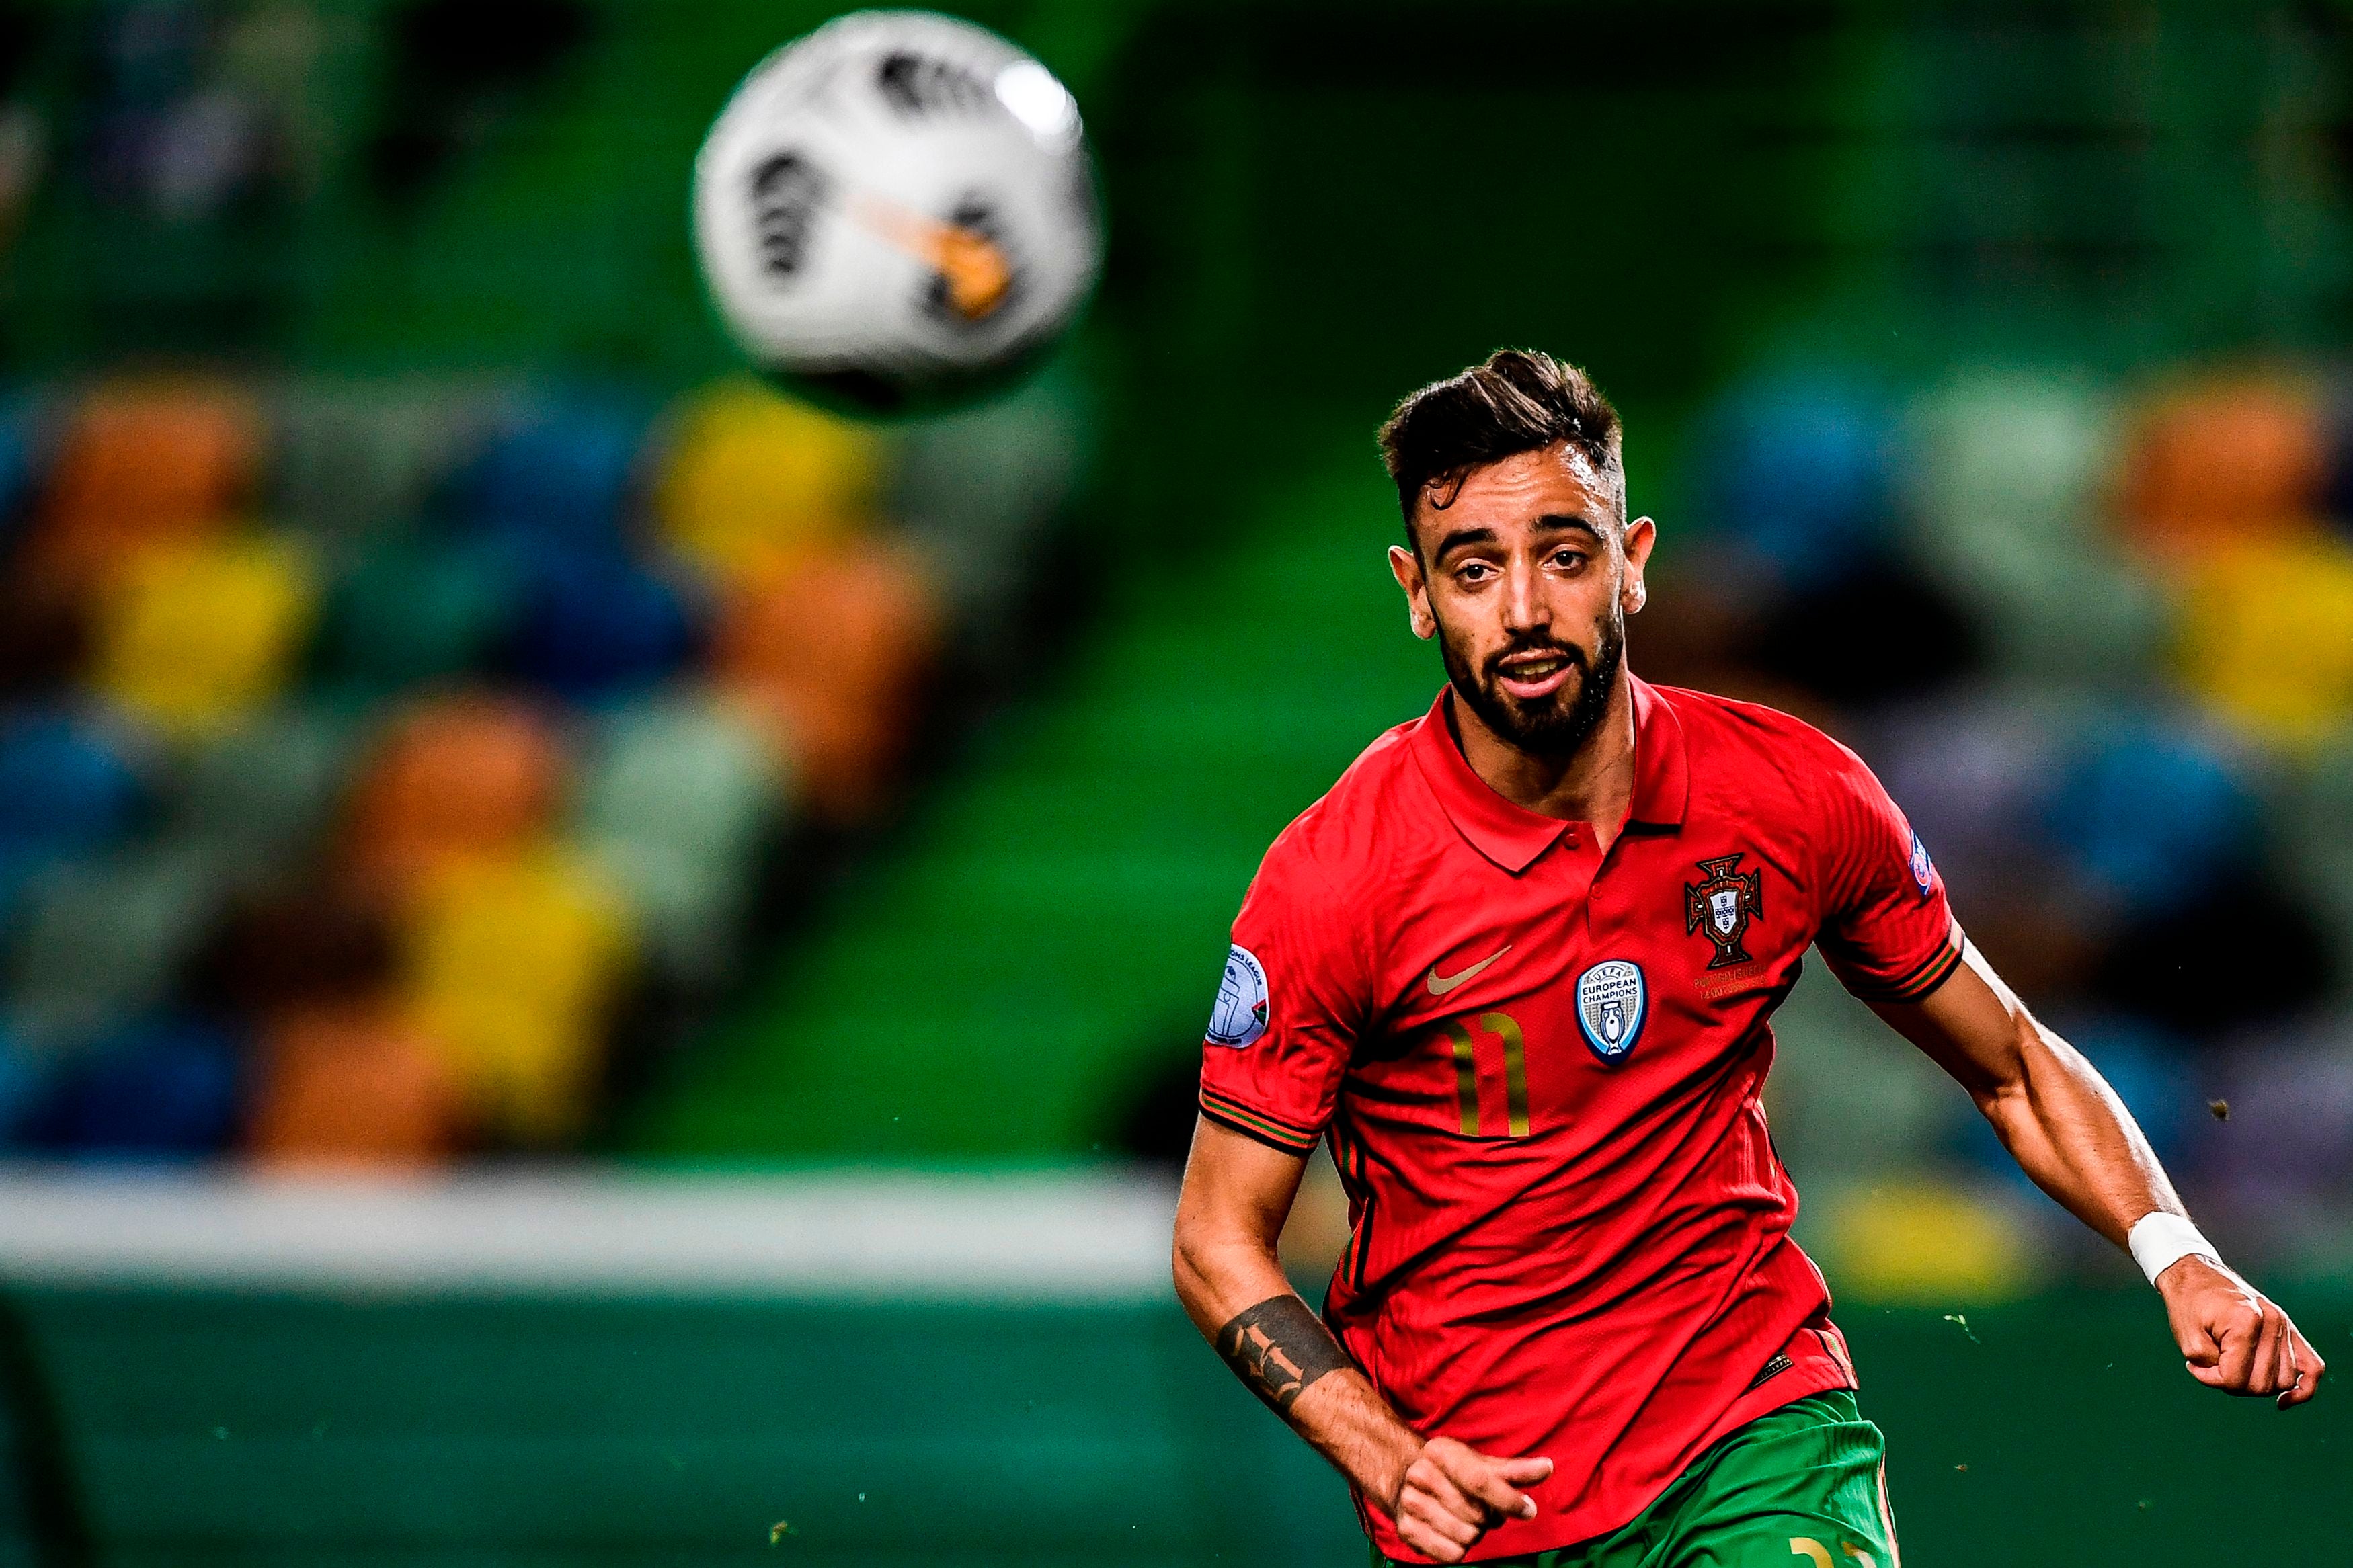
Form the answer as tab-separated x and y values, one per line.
1563	650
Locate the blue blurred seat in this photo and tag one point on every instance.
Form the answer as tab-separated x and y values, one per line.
67	787
1794	474
2151	816
589	625
23	1076
419	611
18	467
2150	1069
567	471
161	1086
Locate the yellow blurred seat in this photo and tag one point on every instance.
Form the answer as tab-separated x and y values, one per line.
2266	637
196	636
1923	1241
511	963
750	480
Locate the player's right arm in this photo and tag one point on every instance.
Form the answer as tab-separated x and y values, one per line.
1890	936
1238	1191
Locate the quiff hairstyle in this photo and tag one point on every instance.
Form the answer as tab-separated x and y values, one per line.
1520	400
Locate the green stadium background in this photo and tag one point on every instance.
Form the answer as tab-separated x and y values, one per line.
991	984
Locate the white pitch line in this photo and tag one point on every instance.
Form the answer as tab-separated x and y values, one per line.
1002	1238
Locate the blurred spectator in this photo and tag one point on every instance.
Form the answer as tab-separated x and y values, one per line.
46	633
22	136
308	949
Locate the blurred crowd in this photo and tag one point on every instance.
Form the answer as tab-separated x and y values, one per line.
2098	640
382	764
229	111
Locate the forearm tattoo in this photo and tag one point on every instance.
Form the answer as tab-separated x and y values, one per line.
1278	1348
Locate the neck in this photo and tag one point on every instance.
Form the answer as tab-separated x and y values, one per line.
1594	785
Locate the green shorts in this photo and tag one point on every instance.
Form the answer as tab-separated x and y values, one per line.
1804	1486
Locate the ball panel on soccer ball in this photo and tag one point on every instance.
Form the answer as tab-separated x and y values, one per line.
897	210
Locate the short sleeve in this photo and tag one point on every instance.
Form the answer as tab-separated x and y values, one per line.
1288	1007
1886	928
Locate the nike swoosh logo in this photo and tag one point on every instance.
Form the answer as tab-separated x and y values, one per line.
1439	984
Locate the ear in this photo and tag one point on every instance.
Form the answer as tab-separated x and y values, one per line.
1640	535
1406	567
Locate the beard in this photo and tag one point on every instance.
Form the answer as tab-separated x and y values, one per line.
1556	725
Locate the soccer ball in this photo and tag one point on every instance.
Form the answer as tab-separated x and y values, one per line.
897	211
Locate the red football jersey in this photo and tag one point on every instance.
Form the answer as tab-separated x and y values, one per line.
1540	1069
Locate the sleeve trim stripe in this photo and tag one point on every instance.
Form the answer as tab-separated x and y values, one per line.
1211	1094
1924	977
1253	1124
1257	1135
1911	977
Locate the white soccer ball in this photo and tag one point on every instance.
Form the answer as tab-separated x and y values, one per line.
897	210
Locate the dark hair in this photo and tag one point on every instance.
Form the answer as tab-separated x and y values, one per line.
1520	400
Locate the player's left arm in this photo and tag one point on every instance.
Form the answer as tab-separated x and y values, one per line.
2070	1132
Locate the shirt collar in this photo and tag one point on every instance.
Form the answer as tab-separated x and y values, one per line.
1512	835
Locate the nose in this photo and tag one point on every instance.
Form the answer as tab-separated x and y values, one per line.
1524	608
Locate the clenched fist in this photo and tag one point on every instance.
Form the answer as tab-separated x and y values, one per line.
2233	1339
1452	1494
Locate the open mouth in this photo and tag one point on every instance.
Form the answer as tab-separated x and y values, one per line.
1528	676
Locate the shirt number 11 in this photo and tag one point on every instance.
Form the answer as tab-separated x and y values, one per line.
1504	1028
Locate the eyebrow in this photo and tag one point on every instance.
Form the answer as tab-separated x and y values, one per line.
1550	523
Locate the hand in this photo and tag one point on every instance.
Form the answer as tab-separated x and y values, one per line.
2232	1338
1452	1495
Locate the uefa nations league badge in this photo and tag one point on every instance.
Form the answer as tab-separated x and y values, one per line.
1240	1015
1610	1003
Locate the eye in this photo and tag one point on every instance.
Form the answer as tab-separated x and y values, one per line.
1568	560
1474	572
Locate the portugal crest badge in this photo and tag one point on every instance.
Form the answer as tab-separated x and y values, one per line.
1721	904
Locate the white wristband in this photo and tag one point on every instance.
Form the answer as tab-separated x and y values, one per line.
2161	1240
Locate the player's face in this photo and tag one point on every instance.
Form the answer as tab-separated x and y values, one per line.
1526	576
